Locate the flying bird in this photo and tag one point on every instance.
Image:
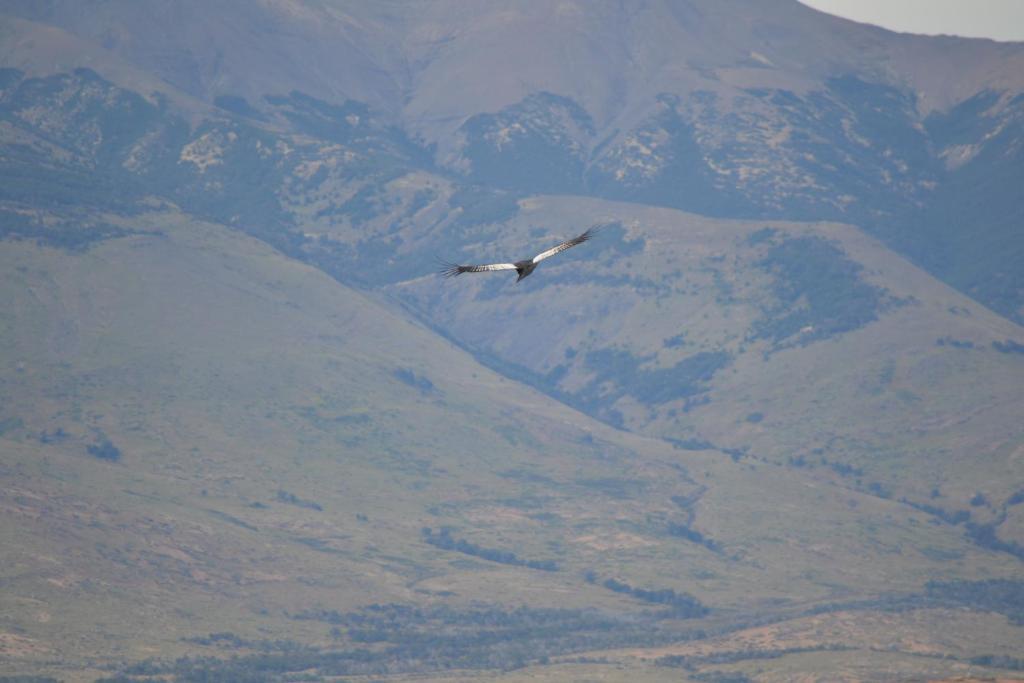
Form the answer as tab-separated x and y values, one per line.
524	267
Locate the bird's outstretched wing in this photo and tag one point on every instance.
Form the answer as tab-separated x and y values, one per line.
453	269
564	245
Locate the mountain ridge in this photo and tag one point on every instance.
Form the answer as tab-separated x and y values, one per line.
412	44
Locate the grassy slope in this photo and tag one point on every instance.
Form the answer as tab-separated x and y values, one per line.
226	373
884	396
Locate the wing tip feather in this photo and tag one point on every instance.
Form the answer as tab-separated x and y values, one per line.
452	271
449	269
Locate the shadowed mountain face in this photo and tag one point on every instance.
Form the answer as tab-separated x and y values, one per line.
777	396
752	109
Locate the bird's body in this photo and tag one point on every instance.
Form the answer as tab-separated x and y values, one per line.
524	267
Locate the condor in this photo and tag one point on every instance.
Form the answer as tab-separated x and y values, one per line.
524	267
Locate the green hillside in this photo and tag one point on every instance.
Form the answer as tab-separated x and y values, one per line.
204	437
800	343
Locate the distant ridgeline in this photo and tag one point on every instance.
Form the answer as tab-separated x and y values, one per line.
232	167
854	151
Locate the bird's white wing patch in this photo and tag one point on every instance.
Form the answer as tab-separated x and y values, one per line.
562	247
453	269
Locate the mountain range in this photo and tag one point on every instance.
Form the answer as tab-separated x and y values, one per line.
764	426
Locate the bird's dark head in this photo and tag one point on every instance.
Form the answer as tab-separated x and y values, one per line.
524	268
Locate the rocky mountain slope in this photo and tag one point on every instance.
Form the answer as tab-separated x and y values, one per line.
766	109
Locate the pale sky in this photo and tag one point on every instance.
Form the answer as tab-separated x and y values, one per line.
997	19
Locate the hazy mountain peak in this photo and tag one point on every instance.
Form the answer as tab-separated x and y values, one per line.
435	63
